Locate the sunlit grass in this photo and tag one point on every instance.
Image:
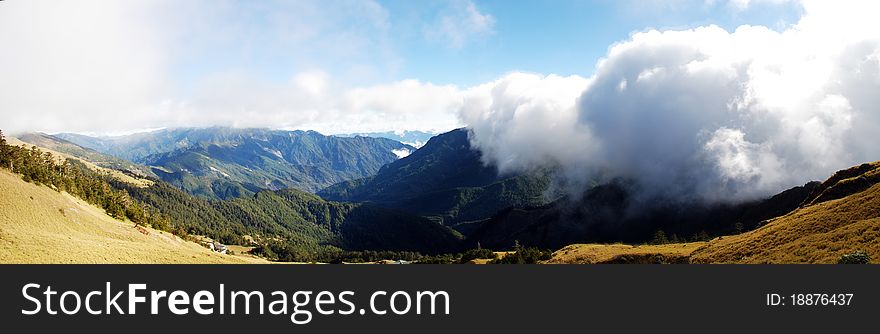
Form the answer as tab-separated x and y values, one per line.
40	225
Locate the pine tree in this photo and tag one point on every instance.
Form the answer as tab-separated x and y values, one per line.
660	238
5	159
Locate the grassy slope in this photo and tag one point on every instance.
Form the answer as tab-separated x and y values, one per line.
596	253
820	232
40	225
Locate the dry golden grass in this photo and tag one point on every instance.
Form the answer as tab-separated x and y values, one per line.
599	253
139	182
40	225
819	233
480	261
498	255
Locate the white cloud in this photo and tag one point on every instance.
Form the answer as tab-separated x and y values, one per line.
524	121
744	4
314	101
401	153
313	82
106	66
705	113
406	104
461	24
68	64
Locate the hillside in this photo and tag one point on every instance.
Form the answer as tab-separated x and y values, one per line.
68	149
40	225
445	179
118	169
299	226
227	163
840	216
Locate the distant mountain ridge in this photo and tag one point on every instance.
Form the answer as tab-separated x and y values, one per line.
226	163
414	138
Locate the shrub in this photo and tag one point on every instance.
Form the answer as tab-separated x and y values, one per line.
857	257
437	259
479	253
530	255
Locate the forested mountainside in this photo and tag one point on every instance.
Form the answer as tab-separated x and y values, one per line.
446	180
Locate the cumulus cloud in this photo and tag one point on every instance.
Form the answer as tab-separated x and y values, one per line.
701	113
525	121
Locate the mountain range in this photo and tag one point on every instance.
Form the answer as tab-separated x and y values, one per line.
227	163
439	198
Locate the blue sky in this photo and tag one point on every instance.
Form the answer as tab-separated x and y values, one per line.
561	36
333	66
